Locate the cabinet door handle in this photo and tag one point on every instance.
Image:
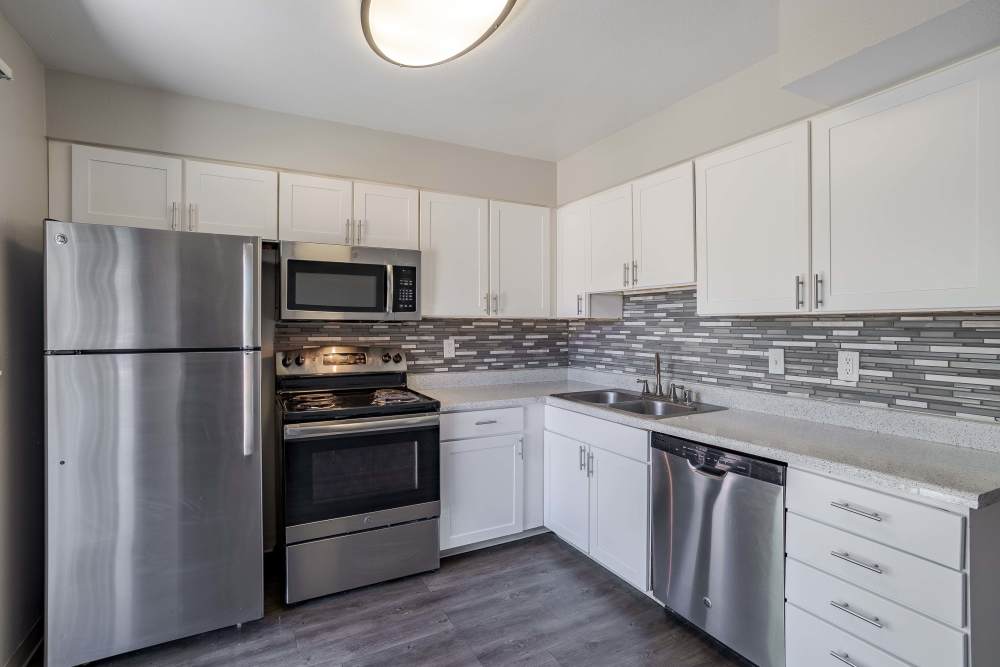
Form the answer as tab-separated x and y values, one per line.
361	230
818	284
583	456
590	464
847	507
486	422
625	274
173	216
846	608
347	231
798	292
520	448
496	303
635	272
843	555
579	304
844	658
192	213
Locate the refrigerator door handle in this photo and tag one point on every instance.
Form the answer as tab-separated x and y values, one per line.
251	288
251	401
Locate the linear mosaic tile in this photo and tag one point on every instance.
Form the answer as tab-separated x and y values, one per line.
479	344
942	363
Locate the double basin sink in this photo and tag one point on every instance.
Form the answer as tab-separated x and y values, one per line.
634	403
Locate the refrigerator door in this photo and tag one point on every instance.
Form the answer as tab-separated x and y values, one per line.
123	288
153	486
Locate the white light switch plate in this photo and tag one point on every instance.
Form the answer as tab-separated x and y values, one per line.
449	348
847	365
776	361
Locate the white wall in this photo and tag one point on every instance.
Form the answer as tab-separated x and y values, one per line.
99	111
22	207
747	103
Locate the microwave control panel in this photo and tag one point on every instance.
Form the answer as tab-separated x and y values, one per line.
404	298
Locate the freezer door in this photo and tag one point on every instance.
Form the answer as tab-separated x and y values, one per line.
153	486
123	288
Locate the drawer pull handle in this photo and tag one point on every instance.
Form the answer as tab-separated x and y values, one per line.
844	658
847	507
846	608
486	421
873	567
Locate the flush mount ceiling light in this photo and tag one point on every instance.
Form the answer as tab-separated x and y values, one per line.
421	33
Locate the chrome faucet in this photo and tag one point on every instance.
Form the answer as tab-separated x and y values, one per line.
659	377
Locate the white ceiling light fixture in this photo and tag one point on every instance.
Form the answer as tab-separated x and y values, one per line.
421	33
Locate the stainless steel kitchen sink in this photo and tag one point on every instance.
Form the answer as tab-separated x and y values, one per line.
636	404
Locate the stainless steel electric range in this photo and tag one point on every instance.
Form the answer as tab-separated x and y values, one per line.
360	470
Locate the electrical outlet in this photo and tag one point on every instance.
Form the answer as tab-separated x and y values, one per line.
848	363
449	348
776	360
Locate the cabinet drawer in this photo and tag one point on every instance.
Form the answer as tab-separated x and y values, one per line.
917	529
904	633
810	642
459	425
624	440
929	588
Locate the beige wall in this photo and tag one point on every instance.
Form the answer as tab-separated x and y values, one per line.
745	104
98	111
22	207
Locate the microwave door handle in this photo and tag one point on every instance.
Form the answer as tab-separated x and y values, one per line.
390	288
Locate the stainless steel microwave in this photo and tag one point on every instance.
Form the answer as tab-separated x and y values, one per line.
322	281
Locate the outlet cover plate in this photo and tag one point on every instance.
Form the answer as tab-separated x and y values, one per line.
776	361
848	362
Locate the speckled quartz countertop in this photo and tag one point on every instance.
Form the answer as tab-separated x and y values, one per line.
924	469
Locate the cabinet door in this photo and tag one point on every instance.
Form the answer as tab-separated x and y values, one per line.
567	490
316	209
619	528
753	225
455	255
225	199
663	228
611	239
386	216
112	187
482	489
572	260
519	259
906	208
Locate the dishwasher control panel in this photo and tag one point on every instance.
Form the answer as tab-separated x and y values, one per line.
720	461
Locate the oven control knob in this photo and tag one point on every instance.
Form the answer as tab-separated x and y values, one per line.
397	357
300	360
286	360
386	358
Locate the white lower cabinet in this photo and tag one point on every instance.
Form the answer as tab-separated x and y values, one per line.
596	491
810	642
482	492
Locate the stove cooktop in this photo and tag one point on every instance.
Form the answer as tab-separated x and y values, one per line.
309	405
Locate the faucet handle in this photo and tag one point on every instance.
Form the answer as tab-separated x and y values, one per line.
687	397
645	386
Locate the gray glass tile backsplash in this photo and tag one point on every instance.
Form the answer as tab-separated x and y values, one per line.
946	363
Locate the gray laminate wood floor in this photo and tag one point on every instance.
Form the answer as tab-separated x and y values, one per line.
533	602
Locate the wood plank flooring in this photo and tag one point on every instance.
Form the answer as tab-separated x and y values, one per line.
533	602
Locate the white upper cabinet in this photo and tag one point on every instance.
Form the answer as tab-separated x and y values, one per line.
572	260
611	239
112	187
386	216
455	255
663	228
519	259
226	199
906	201
315	209
752	204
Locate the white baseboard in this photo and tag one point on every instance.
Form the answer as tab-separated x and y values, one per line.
454	551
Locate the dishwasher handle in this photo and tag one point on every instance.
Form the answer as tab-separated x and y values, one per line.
707	471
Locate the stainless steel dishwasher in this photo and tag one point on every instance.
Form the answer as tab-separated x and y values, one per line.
718	546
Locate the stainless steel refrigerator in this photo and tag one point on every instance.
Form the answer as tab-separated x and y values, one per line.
153	437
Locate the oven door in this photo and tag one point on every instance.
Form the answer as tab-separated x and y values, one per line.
357	474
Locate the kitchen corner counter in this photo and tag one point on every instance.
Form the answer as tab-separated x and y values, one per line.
925	470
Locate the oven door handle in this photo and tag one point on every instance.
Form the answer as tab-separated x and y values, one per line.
363	425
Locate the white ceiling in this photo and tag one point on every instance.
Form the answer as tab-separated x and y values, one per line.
557	76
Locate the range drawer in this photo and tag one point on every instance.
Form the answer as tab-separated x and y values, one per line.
889	626
479	423
927	587
624	440
917	529
810	642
